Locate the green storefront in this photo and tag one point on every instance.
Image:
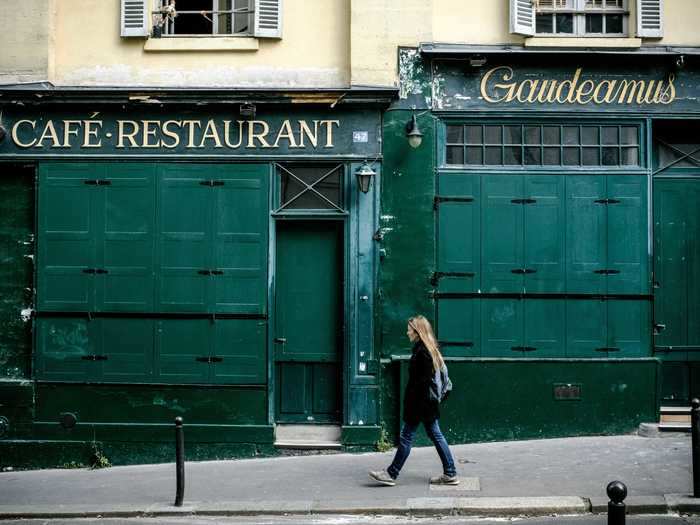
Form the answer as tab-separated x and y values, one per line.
546	224
207	255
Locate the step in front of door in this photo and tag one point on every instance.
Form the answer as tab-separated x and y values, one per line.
308	437
674	419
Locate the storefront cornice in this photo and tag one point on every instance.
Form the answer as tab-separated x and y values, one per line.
465	50
45	92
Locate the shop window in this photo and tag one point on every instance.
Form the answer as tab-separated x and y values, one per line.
542	145
310	187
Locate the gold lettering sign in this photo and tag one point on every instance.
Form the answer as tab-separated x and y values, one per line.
501	85
171	134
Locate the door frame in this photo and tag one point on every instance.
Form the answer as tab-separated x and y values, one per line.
360	220
272	322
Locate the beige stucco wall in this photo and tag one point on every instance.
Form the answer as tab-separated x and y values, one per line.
314	51
326	43
408	23
24	41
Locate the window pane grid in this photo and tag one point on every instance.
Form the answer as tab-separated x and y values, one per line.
543	145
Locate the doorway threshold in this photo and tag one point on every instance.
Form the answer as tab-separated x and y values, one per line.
308	437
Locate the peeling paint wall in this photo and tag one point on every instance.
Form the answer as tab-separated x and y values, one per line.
24	41
313	51
16	269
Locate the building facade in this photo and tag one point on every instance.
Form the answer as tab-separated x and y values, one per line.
214	211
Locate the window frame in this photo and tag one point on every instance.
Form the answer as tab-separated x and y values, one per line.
579	9
169	25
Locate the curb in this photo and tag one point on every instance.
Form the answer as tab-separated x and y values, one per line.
425	506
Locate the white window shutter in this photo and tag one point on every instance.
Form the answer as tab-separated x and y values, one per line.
650	18
135	18
522	17
268	18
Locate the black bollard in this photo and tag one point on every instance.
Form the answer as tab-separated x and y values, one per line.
695	450
179	462
617	492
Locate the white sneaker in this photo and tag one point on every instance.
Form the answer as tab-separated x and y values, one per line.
383	477
444	480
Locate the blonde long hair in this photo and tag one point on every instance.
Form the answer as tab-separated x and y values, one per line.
425	331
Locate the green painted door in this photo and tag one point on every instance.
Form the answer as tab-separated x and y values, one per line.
308	336
676	276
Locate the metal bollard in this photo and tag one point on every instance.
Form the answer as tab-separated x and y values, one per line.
617	492
695	449
179	461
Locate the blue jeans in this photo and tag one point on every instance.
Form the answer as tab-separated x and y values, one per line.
408	432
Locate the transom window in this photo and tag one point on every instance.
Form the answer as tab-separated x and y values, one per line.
542	145
581	17
677	145
204	17
310	187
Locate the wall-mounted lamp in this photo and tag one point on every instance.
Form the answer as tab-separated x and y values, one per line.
680	62
247	110
364	175
477	60
413	134
3	133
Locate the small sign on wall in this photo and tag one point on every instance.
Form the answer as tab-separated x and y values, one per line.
360	136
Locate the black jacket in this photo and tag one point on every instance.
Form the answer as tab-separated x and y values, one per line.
417	406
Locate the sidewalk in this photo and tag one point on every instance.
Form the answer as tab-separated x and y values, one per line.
562	476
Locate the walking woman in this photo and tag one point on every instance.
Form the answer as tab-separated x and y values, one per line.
419	408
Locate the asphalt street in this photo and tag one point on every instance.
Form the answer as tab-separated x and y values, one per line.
367	520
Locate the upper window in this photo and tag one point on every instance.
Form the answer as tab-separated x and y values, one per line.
581	17
195	18
205	17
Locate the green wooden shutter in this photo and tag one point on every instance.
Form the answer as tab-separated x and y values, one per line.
544	324
627	234
629	328
502	231
240	225
544	227
458	327
585	233
586	327
183	349
240	344
184	238
501	327
66	236
127	348
63	347
458	226
125	248
672	236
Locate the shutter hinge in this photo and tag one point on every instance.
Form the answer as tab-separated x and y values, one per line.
606	201
607	349
438	199
523	201
606	272
466	344
438	275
